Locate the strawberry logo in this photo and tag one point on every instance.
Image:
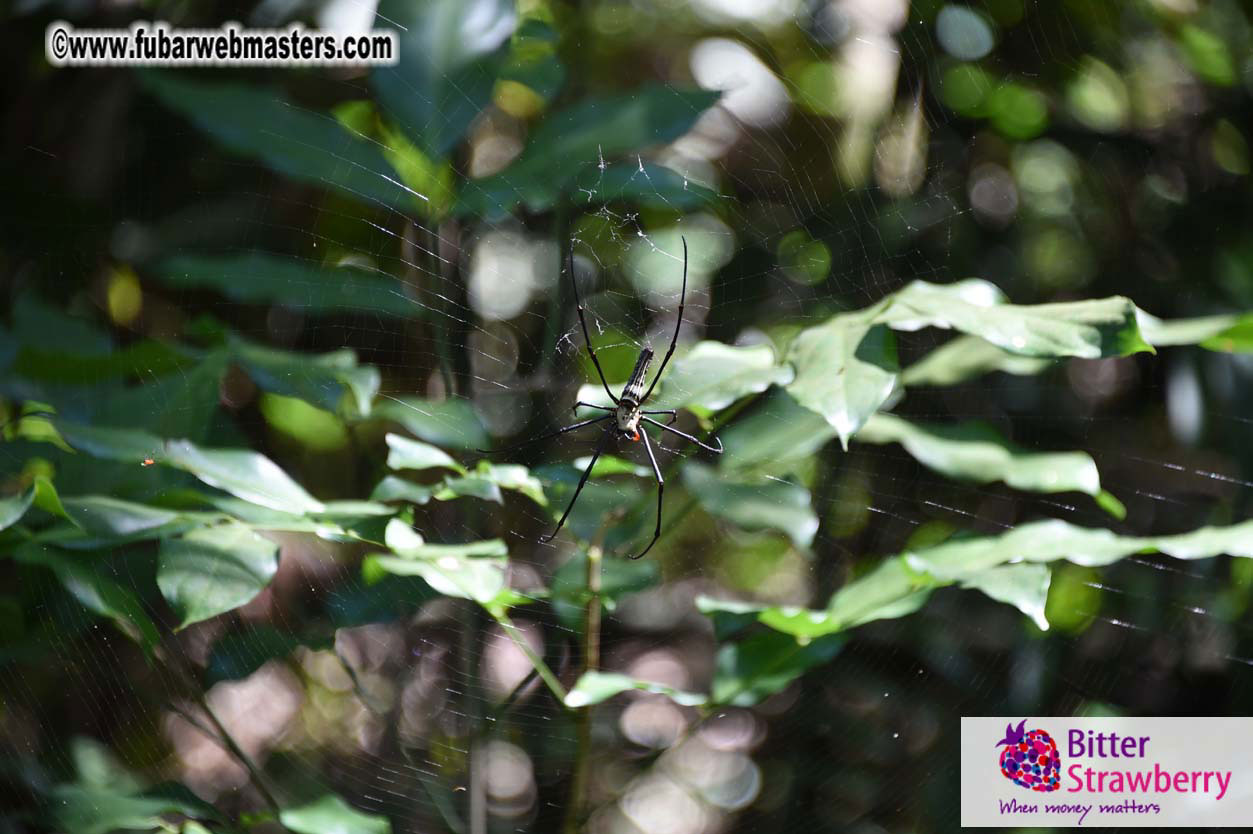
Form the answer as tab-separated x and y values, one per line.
1030	758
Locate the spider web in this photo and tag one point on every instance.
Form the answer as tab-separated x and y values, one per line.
865	741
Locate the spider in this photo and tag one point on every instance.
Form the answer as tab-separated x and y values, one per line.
628	412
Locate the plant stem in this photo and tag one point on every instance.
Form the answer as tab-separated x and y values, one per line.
220	733
591	662
537	662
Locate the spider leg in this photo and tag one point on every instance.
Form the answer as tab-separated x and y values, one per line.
679	323
600	447
685	436
674	415
661	488
538	438
575	407
587	340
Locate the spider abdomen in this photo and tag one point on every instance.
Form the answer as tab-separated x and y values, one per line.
634	389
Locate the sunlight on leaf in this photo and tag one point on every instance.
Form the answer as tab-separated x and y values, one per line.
713	375
846	369
405	453
595	687
331	815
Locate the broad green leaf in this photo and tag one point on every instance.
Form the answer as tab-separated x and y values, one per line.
713	375
749	670
594	687
15	506
144	359
641	184
214	570
1235	339
261	123
845	369
967	357
1088	329
779	430
447	423
975	452
323	380
607	465
470	486
97	766
81	809
329	814
306	286
1024	586
475	570
513	477
1161	333
451	52
585	134
393	488
406	453
82	576
770	505
104	516
243	473
124	445
899	585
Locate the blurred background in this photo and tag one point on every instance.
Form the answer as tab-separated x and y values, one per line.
817	155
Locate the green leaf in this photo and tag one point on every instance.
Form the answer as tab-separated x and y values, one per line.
588	132
214	570
1026	587
967	357
975	452
1235	339
81	575
448	423
900	585
475	570
471	486
513	477
244	474
393	488
845	368
1088	329
80	809
772	505
261	123
1160	333
779	430
144	359
451	52
405	453
307	286
748	671
323	380
328	814
104	516
594	687
713	375
15	506
640	184
124	445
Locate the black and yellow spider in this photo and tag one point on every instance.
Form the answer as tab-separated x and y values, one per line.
628	411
